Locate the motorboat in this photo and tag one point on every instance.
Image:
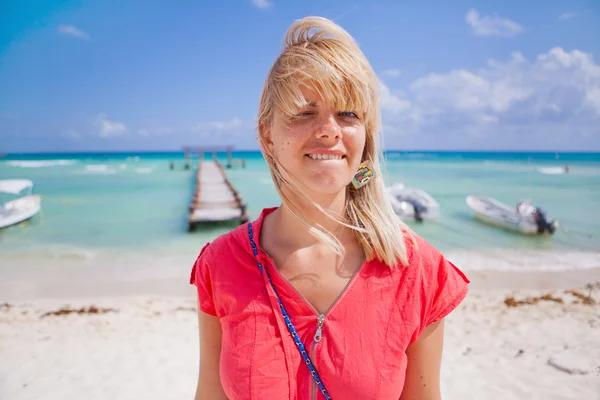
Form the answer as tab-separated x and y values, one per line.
412	203
524	218
19	209
554	170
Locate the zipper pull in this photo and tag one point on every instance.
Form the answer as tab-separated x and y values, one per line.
319	333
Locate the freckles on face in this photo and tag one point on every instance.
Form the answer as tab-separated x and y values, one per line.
284	140
281	146
321	146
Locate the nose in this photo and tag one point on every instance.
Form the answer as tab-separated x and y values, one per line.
328	127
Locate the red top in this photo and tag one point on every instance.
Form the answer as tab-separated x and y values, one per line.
362	354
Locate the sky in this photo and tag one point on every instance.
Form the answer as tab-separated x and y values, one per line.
158	75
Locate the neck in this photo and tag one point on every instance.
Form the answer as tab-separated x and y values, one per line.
290	231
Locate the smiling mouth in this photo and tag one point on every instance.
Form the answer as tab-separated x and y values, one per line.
325	156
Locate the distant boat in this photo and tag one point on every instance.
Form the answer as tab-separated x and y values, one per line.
524	218
412	203
554	170
24	207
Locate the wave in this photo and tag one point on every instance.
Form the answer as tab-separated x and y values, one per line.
144	170
552	170
525	260
39	163
101	169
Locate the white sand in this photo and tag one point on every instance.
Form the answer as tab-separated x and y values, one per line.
148	349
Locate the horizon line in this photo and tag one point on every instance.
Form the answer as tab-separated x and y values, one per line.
4	154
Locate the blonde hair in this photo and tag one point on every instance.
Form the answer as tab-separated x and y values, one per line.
319	53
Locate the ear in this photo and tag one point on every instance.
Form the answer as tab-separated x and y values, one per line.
264	138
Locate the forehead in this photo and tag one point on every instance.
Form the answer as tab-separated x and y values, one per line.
302	94
310	96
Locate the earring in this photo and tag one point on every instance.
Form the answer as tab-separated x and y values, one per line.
364	174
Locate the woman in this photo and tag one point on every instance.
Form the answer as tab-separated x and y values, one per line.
328	295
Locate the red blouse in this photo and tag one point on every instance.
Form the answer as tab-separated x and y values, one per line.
365	334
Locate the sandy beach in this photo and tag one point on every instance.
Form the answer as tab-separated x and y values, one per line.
132	134
516	336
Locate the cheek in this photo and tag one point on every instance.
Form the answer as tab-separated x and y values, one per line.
356	142
283	147
285	152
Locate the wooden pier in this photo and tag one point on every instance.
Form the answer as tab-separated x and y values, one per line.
189	151
215	198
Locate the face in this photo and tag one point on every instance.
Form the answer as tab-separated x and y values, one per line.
319	145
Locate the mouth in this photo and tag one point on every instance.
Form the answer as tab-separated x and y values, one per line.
316	156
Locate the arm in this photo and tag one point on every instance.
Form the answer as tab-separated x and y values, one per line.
424	363
209	379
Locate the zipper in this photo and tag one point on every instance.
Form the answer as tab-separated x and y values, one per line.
319	332
354	275
317	339
320	316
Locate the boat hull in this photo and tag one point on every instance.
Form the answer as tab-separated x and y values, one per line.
494	213
403	199
19	210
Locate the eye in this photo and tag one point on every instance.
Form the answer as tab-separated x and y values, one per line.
348	114
303	115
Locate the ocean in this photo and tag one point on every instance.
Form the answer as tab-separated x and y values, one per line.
119	205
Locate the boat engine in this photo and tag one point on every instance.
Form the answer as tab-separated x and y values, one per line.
542	223
418	208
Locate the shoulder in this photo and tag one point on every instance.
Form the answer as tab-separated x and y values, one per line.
236	242
425	259
229	244
225	271
439	284
226	249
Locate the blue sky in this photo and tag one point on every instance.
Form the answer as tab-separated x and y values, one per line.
150	75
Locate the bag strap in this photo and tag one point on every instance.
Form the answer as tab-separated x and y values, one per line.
288	321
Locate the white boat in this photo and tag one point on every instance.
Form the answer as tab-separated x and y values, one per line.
524	218
22	208
412	203
554	170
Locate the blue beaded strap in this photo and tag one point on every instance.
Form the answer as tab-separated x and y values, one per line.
288	321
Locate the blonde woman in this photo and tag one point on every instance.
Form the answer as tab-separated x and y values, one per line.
328	295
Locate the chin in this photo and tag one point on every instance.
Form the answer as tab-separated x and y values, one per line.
328	186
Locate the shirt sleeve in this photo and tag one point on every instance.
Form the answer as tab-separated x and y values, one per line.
201	277
444	285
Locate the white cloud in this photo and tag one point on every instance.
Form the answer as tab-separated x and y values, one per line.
206	131
566	16
262	3
466	91
491	26
392	72
390	102
219	127
553	101
158	130
592	98
70	30
107	128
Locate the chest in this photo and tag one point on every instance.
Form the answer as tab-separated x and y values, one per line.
320	278
361	354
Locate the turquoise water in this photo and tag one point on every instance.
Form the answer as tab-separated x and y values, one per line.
134	202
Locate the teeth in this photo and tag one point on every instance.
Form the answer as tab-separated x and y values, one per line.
325	157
